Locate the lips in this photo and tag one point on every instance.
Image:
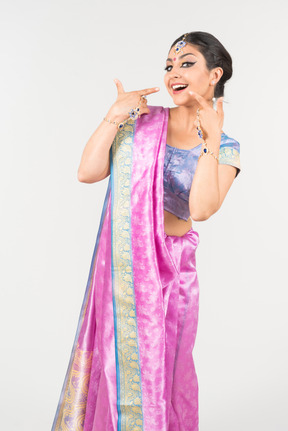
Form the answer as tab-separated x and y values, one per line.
178	88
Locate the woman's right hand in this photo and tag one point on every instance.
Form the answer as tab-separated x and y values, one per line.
126	101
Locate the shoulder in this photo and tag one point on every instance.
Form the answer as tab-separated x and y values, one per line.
229	143
229	152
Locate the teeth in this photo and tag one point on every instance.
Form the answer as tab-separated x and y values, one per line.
175	87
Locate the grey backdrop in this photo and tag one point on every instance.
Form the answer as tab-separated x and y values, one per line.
58	61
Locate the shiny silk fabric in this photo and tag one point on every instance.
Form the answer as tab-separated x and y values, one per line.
179	170
131	366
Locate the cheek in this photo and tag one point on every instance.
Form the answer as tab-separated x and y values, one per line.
191	71
202	77
166	79
196	77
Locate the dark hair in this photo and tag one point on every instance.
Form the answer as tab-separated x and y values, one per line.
214	53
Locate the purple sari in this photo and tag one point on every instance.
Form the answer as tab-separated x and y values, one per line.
131	366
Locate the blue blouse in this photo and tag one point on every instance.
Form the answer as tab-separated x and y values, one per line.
179	170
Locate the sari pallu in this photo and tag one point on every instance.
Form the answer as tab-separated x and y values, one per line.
131	366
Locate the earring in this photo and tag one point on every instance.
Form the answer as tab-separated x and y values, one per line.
212	82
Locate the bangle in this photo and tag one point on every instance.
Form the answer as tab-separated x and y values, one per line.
206	150
134	113
119	125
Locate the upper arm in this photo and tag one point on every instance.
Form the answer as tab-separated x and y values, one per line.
93	178
106	172
229	166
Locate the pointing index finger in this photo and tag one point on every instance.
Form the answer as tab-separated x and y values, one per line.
201	100
148	91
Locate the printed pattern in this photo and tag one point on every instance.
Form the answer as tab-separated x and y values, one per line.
229	156
129	393
179	170
74	405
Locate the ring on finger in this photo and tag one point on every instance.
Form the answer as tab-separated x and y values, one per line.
134	113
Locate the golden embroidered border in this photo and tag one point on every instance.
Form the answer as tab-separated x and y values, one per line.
74	403
229	156
82	362
128	367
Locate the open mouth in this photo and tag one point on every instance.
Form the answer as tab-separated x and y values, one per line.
179	88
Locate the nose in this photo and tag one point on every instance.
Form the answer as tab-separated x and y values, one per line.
176	72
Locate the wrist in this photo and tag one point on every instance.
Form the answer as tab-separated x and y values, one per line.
213	142
113	115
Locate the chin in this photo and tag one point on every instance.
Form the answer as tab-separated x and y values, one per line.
181	101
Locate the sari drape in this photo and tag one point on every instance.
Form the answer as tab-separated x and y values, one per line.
131	366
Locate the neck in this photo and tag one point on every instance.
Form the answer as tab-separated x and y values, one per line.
184	114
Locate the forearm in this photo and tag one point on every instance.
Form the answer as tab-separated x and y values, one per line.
204	194
95	163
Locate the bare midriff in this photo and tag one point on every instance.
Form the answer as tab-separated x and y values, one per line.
175	226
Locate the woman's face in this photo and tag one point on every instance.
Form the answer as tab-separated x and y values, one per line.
189	68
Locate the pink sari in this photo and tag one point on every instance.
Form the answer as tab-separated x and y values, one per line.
131	366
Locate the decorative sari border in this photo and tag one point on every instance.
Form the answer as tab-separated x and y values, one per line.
128	371
71	407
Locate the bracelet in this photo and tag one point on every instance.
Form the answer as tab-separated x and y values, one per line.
205	150
133	114
119	125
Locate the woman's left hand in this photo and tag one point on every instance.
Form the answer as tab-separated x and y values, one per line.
211	121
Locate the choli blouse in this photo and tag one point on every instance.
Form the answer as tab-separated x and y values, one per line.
179	170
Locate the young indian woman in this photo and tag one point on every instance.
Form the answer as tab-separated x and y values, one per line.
131	366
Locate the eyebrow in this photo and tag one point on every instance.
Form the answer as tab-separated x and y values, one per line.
181	56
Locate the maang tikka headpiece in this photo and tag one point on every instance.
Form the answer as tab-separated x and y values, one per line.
180	45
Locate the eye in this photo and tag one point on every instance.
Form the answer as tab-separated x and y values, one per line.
188	63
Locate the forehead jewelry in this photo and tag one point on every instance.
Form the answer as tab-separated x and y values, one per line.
180	45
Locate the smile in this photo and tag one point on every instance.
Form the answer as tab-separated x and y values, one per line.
179	88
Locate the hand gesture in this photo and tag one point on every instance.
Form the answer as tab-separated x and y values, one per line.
211	121
129	100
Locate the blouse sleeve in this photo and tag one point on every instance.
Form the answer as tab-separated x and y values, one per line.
229	153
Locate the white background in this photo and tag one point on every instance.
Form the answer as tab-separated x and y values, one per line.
58	61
